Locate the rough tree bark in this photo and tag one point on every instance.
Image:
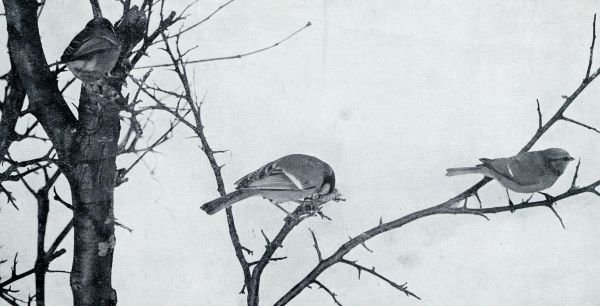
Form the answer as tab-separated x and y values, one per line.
92	179
86	147
11	108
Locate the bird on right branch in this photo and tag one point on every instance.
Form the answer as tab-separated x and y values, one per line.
526	172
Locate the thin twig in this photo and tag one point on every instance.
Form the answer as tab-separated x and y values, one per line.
371	271
539	111
587	74
574	181
316	245
197	23
331	293
238	56
580	124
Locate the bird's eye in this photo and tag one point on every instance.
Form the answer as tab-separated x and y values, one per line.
565	158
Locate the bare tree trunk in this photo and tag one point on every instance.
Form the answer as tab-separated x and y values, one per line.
92	183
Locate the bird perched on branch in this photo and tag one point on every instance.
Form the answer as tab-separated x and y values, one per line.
94	52
290	178
526	172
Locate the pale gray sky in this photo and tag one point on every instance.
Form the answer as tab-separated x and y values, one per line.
390	94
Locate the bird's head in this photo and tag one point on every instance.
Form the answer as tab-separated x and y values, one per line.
557	159
328	183
100	23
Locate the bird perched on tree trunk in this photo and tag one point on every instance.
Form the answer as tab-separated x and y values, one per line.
94	52
526	172
290	178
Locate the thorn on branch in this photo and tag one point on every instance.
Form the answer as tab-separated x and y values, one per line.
247	250
267	241
10	199
331	293
316	245
364	244
574	182
481	215
587	74
478	199
401	288
557	216
539	111
13	270
550	202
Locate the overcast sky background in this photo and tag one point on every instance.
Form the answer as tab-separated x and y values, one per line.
390	94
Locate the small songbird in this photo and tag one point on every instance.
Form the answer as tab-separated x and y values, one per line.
94	52
290	178
526	172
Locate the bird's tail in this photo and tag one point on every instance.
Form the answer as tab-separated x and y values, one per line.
227	200
462	171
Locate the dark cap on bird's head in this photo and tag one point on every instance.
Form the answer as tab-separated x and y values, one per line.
99	22
328	180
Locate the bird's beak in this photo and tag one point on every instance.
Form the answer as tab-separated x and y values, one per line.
571	158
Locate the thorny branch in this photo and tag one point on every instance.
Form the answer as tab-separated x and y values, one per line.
184	103
49	256
450	206
371	271
331	293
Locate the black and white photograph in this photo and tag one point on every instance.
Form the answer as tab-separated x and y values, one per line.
301	153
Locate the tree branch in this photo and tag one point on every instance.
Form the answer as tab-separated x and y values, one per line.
587	74
197	23
449	206
96	9
371	271
331	293
580	124
25	48
11	108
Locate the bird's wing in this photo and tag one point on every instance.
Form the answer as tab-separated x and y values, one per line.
272	177
529	167
86	43
521	169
